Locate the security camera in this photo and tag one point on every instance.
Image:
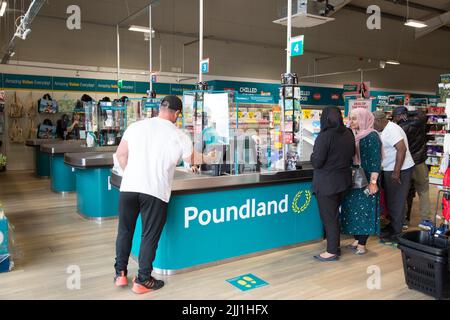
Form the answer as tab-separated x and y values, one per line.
25	34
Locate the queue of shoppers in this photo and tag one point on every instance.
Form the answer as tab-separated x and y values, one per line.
377	152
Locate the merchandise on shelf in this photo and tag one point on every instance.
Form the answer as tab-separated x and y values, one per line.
5	254
47	105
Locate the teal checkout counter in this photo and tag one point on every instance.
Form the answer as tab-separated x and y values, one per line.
215	219
62	176
41	159
96	199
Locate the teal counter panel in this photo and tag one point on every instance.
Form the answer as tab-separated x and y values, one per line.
96	198
62	176
42	162
209	227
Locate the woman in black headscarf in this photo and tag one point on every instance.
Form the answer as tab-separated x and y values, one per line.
332	159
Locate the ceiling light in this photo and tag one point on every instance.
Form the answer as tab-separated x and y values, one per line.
141	29
3	8
394	62
415	24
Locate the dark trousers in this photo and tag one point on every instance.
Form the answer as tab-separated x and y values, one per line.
329	213
362	239
153	214
396	195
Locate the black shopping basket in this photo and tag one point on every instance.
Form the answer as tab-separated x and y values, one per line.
426	263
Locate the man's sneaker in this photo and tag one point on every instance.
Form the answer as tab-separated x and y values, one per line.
147	286
120	279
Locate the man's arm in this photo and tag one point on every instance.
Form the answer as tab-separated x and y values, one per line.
122	154
399	159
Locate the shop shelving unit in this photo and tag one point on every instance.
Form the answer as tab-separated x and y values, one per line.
437	129
291	124
107	120
260	119
254	124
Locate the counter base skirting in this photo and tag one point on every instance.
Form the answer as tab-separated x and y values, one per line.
63	193
164	272
96	219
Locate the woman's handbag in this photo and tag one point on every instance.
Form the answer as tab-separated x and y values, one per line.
359	178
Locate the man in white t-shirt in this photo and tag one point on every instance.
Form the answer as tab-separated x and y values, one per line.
148	153
397	167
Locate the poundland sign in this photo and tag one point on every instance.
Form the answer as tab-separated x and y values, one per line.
250	209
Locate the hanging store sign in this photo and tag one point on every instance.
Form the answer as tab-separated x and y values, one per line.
296	45
357	88
205	65
351	104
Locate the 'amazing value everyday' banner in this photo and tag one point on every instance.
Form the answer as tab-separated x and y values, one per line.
19	81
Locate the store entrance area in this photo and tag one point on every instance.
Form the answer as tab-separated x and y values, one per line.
53	245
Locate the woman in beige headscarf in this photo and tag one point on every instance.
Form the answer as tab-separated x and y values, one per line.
360	214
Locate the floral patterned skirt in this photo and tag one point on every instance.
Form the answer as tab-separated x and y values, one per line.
360	214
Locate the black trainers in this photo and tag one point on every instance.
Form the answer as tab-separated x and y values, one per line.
147	286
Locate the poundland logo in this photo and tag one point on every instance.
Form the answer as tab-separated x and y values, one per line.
248	210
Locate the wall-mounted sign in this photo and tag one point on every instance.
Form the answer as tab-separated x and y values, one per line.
47	83
296	45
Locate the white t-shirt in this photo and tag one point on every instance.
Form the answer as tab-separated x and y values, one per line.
155	147
390	136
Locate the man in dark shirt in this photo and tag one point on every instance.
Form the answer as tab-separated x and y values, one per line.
415	126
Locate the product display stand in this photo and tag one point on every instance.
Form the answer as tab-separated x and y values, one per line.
291	120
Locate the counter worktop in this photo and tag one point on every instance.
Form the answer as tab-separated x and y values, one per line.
185	182
39	142
89	159
60	148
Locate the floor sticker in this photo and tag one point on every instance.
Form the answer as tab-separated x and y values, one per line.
247	282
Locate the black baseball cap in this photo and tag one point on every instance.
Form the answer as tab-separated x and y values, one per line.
399	111
174	102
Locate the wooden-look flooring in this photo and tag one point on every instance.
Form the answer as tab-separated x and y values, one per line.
50	236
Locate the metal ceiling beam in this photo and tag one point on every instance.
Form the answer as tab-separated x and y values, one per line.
432	25
28	18
416	5
139	12
390	16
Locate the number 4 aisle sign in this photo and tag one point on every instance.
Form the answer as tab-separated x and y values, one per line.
297	46
205	65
